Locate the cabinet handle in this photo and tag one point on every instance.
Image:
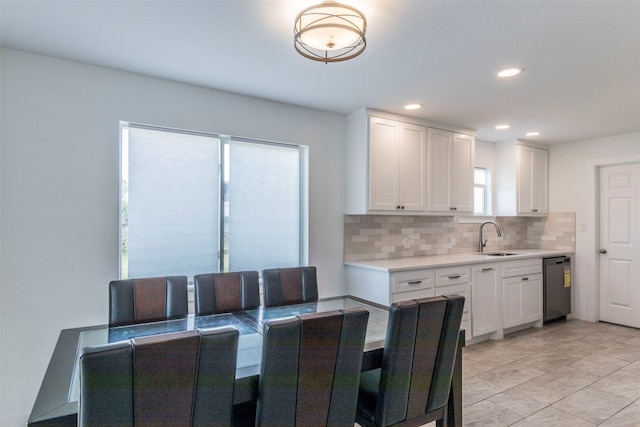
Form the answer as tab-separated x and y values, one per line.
401	207
453	209
415	282
488	269
398	207
525	278
534	210
455	276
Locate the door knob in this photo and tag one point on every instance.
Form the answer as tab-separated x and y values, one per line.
603	251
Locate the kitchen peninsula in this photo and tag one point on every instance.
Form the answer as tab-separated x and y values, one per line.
503	290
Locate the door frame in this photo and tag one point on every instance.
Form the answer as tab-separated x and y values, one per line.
593	223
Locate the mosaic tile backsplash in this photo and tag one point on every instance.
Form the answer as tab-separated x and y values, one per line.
387	236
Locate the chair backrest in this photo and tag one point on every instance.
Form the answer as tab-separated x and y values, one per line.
147	299
311	369
226	292
183	378
412	387
286	286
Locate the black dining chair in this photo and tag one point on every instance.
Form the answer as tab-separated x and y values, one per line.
413	385
184	378
147	299
287	286
311	369
226	292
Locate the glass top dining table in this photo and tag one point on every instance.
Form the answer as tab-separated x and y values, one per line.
60	390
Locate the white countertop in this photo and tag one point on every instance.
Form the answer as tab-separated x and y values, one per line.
431	261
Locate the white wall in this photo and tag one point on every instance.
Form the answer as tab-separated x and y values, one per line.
572	178
59	194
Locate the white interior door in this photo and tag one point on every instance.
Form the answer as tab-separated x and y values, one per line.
620	244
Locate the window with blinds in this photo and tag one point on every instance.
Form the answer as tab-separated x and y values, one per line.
195	203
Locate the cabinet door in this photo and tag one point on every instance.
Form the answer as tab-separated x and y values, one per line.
532	298
383	164
463	290
451	157
533	180
462	150
525	179
512	302
484	294
412	167
439	195
540	183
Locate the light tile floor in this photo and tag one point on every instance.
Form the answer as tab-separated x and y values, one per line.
568	373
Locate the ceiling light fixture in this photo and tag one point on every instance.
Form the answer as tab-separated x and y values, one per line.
502	127
330	32
536	133
413	106
510	72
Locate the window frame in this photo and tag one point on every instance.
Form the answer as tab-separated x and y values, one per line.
224	140
487	215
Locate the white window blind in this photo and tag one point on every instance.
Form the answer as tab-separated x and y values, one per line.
264	206
172	225
197	203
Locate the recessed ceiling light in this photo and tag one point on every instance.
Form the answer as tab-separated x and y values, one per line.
510	72
413	106
502	127
536	133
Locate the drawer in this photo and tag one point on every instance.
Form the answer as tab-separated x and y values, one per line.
406	281
416	294
453	275
463	290
521	267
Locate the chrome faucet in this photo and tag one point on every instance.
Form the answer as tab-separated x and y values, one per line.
482	244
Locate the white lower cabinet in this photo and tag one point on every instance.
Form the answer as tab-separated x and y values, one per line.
457	281
412	284
485	298
521	292
498	294
385	287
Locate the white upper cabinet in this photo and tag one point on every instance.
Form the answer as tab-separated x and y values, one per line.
533	180
397	166
388	158
451	161
522	179
385	166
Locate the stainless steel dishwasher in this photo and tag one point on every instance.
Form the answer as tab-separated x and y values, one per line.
557	287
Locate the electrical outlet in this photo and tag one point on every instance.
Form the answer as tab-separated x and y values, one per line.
407	243
508	237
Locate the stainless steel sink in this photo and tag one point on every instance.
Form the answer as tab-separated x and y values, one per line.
499	253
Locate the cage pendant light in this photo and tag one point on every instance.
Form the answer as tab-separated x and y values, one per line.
330	32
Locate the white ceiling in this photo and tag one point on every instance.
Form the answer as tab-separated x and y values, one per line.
581	58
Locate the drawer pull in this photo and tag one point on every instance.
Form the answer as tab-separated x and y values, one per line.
454	276
525	278
488	269
415	282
